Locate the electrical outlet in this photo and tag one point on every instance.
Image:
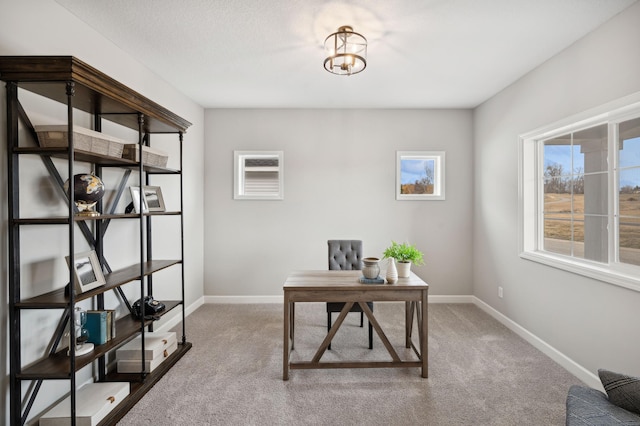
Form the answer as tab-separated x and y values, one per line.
500	292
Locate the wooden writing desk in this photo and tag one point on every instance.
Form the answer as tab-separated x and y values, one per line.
343	286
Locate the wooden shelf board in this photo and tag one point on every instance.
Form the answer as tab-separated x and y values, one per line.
57	298
91	157
63	220
57	366
140	388
95	92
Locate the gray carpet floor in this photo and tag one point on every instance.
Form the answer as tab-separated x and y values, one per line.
480	373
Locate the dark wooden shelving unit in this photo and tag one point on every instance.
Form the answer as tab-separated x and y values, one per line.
79	86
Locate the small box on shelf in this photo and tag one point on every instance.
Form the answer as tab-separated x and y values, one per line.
84	140
150	156
158	346
94	401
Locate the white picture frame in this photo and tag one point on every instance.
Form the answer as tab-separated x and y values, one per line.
420	175
153	199
258	175
87	271
136	199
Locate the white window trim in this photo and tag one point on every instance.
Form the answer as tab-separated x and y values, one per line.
529	234
239	175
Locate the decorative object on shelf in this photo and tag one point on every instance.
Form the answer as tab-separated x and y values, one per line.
87	271
150	156
346	52
153	198
404	254
157	348
371	268
392	272
151	308
94	401
84	140
88	189
83	347
420	175
97	326
137	201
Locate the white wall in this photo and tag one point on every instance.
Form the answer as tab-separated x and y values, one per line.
42	27
591	322
339	172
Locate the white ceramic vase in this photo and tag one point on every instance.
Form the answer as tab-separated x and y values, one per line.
392	272
404	269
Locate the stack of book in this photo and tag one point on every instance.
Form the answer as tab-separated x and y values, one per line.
376	280
101	325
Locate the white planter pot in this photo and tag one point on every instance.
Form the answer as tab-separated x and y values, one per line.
404	269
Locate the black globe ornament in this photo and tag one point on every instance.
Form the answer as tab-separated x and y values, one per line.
88	189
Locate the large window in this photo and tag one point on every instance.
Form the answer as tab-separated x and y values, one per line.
580	195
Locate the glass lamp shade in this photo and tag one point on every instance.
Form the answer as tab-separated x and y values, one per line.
346	52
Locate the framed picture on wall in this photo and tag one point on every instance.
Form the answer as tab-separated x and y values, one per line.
258	175
420	175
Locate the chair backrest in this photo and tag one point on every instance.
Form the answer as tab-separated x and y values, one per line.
345	254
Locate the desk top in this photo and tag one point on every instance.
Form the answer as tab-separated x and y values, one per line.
346	280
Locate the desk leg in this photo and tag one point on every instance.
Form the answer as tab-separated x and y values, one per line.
285	342
292	324
408	323
424	335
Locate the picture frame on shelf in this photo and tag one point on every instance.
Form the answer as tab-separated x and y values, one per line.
153	198
420	175
136	198
87	271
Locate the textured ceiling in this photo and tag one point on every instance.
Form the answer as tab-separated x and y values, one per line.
421	54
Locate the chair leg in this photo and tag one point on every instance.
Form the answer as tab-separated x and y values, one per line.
370	335
361	319
329	326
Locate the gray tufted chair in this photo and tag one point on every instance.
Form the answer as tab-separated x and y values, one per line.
346	255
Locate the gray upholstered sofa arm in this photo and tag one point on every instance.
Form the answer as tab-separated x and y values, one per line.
586	406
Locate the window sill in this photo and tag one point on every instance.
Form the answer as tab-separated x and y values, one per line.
586	268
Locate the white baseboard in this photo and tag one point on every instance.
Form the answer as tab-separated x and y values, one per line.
278	299
574	368
169	323
450	299
243	299
570	365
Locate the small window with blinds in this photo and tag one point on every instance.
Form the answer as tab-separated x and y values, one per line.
258	175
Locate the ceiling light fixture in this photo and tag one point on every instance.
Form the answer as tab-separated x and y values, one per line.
346	52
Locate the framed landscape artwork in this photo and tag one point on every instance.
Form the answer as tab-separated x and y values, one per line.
87	271
420	175
153	198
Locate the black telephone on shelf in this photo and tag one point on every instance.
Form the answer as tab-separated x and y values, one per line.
151	308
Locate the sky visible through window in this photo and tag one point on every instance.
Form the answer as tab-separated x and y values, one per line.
412	171
629	156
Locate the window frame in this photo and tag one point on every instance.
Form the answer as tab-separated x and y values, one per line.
531	194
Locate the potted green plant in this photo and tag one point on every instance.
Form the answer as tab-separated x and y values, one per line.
404	254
